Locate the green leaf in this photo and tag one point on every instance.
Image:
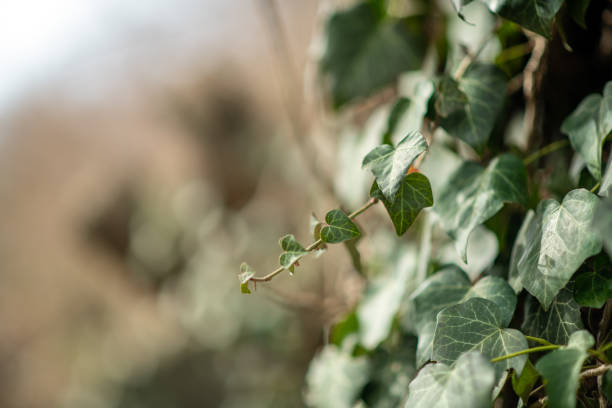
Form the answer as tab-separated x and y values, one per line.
474	194
561	368
588	126
399	108
523	384
593	285
577	9
450	99
607	385
468	384
555	324
246	273
389	165
602	223
476	324
413	195
520	244
485	88
558	239
293	251
335	378
605	190
407	113
339	227
366	50
535	15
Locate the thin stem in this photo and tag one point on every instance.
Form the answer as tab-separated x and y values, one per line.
315	244
554	146
526	351
594	372
468	59
595	187
539	340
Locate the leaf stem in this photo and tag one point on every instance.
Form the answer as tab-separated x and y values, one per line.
315	244
539	340
526	351
554	146
595	187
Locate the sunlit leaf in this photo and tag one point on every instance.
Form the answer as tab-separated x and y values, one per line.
555	324
474	194
561	368
468	383
558	239
246	273
476	324
413	195
588	126
389	164
339	227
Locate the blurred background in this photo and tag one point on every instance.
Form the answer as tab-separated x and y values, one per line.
146	149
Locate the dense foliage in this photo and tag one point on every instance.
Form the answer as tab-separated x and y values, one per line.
521	315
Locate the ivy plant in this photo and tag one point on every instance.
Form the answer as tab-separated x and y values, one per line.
531	325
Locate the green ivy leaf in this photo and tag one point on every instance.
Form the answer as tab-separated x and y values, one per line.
468	384
558	239
558	322
561	368
294	251
397	111
476	324
520	244
607	384
577	9
535	15
602	223
485	88
389	165
588	126
605	190
523	384
450	99
413	195
593	285
335	378
246	273
474	194
339	227
358	39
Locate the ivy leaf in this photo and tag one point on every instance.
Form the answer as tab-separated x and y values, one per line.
413	195
476	324
468	384
605	190
558	322
294	251
358	39
335	378
535	15
399	108
607	384
588	126
520	244
602	222
577	9
450	99
558	239
246	273
389	165
523	384
561	368
339	227
474	194
485	88
593	286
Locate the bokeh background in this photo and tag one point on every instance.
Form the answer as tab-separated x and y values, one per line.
147	148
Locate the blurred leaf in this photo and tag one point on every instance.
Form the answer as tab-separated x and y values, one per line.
335	378
577	9
399	108
520	244
534	15
408	116
450	99
593	284
523	384
474	194
414	194
607	384
588	126
485	88
561	368
366	50
339	227
294	251
341	330
246	273
468	384
558	239
555	324
389	165
602	223
476	324
605	190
